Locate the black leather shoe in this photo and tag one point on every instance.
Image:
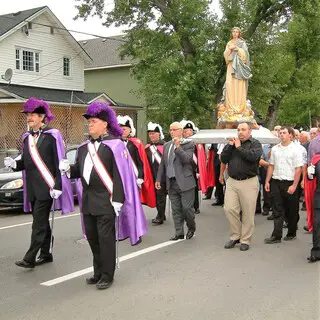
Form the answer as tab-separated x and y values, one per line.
271	217
231	244
104	284
312	259
175	238
244	247
305	228
289	238
25	264
92	280
156	221
217	204
258	212
272	240
197	211
189	235
265	213
45	259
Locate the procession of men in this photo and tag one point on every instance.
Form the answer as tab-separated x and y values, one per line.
116	174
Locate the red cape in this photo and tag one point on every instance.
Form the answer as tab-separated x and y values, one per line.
147	192
210	169
309	190
202	169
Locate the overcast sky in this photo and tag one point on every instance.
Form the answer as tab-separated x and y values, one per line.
65	11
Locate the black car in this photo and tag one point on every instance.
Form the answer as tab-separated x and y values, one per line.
11	184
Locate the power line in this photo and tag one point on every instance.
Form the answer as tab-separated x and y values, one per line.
64	29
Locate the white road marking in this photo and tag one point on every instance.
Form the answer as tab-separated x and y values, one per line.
124	258
28	223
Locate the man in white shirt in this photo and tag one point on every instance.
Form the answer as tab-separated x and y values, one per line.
285	170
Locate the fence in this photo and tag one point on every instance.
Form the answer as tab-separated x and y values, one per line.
68	120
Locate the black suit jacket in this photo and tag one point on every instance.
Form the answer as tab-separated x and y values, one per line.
36	185
134	153
95	197
154	165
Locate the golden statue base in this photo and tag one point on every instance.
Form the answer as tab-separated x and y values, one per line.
230	120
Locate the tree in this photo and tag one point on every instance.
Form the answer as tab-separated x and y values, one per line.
178	49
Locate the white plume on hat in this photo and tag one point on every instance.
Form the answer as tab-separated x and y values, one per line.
123	121
152	127
185	122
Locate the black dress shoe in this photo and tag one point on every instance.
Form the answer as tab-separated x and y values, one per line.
156	221
189	235
92	280
272	240
218	203
312	259
104	284
244	247
305	228
25	264
271	217
197	211
43	259
231	244
289	238
265	213
258	212
175	238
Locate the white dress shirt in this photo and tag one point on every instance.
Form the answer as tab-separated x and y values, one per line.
285	160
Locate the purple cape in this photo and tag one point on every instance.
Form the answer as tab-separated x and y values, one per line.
132	221
65	201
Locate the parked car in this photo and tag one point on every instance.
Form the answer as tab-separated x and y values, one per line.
11	184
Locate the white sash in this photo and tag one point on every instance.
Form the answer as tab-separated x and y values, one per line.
155	153
135	169
195	160
36	158
100	168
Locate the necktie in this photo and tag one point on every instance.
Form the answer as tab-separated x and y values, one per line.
170	168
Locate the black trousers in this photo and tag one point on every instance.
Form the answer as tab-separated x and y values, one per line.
161	198
267	203
101	235
196	196
315	251
284	205
219	193
41	231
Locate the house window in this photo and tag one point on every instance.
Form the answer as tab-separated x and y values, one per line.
27	60
17	59
66	66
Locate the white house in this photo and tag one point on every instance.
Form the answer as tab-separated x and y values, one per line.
40	58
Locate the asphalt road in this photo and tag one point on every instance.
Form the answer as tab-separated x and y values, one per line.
191	279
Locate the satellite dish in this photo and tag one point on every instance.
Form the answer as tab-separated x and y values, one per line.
7	75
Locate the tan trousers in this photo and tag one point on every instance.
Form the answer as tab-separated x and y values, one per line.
241	196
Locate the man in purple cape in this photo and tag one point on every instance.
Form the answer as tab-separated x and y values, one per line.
43	148
109	190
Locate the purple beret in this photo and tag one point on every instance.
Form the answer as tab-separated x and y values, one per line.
34	105
103	111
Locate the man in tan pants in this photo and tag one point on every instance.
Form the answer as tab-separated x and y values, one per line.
242	154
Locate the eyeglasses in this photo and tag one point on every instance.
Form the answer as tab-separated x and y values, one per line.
172	129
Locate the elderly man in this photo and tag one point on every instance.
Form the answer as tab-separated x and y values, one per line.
177	169
313	133
242	154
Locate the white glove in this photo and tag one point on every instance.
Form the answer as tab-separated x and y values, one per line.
311	171
197	175
117	207
64	166
9	162
55	194
139	182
